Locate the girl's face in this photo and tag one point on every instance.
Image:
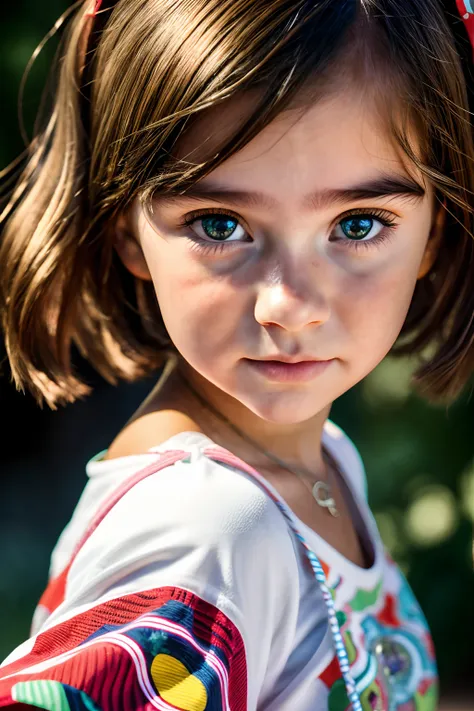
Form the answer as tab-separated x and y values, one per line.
314	253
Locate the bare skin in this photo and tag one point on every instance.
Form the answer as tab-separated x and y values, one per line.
285	281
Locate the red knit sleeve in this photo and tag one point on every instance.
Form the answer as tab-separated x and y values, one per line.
160	649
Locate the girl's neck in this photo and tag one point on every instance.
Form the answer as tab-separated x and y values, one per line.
172	407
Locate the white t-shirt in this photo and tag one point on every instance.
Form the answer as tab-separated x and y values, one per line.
192	592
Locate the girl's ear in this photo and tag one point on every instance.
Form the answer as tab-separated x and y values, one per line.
434	242
129	249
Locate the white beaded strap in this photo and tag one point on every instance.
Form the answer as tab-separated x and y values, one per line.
223	455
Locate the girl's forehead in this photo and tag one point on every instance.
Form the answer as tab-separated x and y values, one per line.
341	138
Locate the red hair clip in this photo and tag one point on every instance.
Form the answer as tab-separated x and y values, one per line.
466	10
94	12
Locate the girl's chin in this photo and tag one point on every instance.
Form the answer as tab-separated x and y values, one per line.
281	404
283	411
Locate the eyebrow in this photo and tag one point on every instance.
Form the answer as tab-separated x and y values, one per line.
380	187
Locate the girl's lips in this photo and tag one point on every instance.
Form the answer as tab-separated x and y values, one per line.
281	372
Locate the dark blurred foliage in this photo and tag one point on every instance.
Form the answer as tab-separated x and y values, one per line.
419	459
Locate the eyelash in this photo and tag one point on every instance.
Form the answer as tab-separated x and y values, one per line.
386	218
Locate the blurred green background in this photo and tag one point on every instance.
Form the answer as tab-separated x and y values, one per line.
419	459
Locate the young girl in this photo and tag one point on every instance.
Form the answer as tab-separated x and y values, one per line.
264	196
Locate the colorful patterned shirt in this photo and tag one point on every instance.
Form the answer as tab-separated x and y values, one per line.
184	582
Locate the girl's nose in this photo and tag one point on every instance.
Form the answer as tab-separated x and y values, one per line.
281	305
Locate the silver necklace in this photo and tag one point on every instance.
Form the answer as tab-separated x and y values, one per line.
320	490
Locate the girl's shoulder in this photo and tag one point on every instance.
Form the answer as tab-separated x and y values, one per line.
181	479
173	500
182	482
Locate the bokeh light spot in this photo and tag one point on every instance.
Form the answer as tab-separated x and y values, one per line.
467	491
432	517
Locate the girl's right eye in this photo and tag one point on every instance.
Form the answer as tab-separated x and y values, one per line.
216	227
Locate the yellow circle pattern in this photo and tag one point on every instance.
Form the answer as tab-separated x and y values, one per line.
176	685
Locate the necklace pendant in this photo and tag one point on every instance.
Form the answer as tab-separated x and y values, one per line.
326	501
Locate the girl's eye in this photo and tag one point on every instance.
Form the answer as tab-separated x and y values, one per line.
216	227
357	227
364	229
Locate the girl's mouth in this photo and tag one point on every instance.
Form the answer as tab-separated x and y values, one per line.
281	372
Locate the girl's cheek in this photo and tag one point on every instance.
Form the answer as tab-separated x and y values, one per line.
371	310
193	303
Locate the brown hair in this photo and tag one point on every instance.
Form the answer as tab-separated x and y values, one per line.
128	89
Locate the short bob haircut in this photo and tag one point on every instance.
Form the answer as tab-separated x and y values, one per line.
130	81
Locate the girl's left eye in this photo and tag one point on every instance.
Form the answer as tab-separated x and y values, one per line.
363	230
